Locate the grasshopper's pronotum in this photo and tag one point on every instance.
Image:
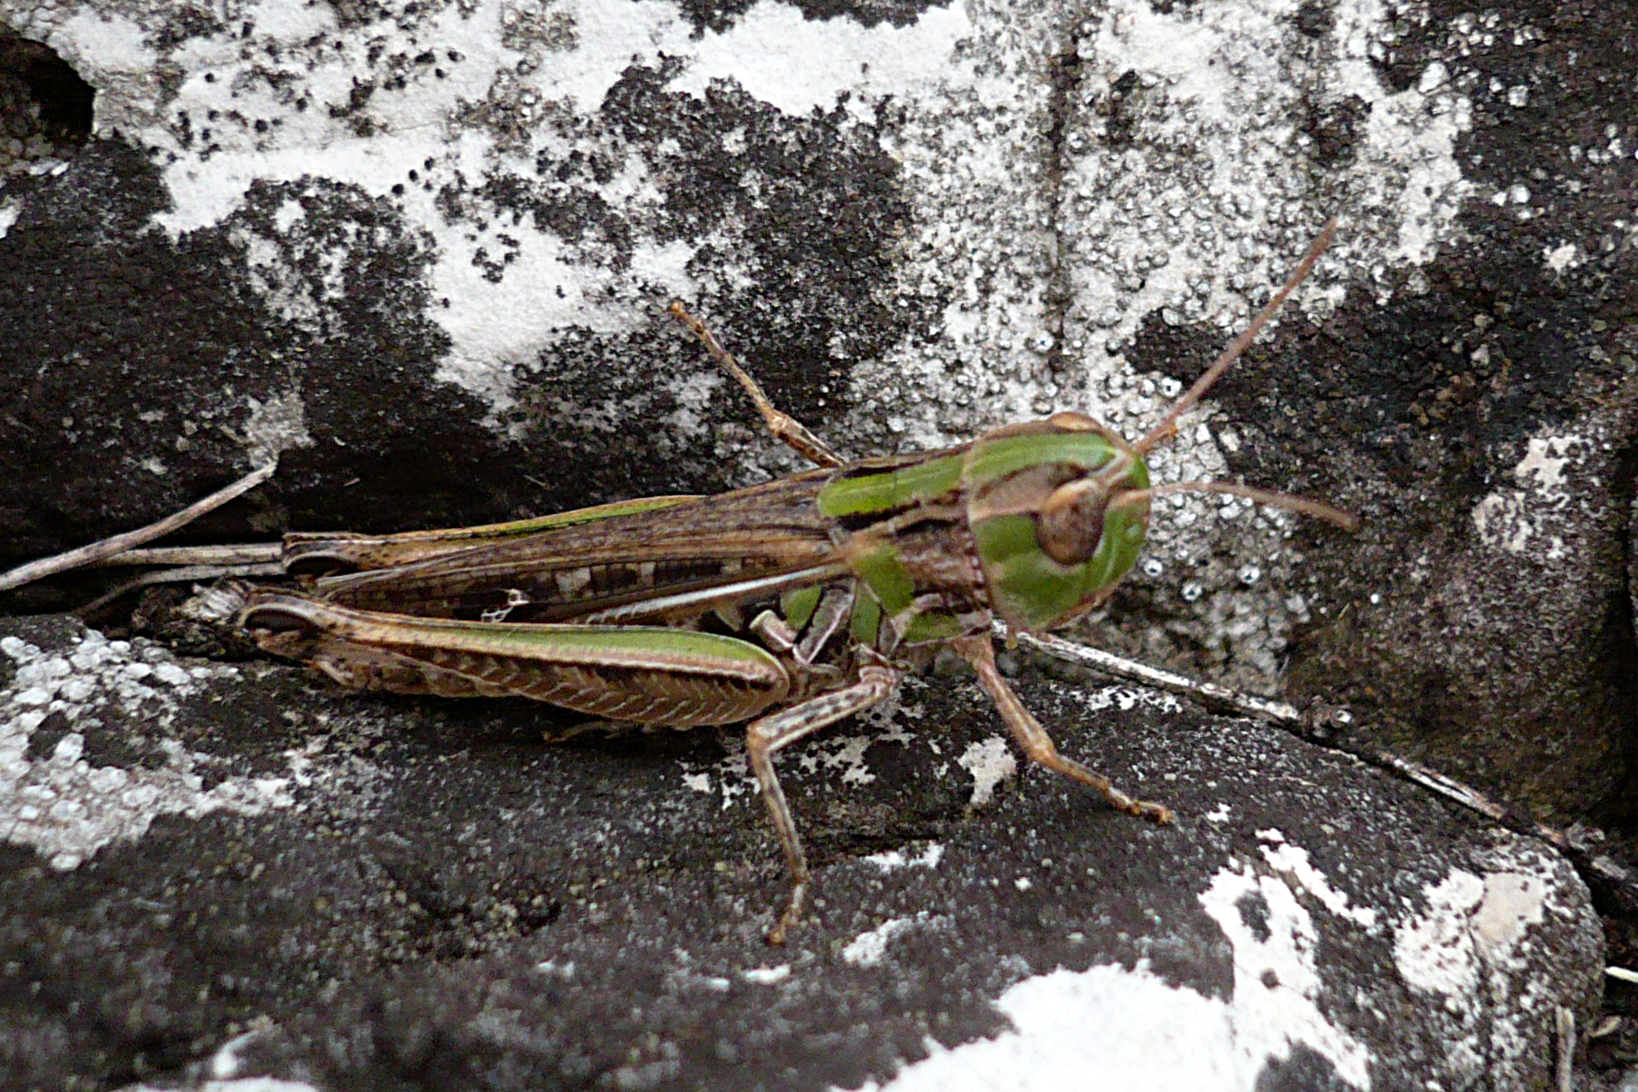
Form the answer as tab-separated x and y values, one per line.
788	605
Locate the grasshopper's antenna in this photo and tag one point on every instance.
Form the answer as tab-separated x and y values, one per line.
1239	344
1301	505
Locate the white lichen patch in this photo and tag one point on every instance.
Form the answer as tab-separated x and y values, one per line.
839	758
894	859
870	948
895	719
1470	951
298	278
729	776
1127	698
842	757
65	806
1476	948
830	51
1292	862
991	762
1563	257
227	1065
766	976
1513	901
1436	953
1523	519
697	397
1277	982
275	426
1132	1030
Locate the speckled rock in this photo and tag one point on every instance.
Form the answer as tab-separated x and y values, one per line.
232	872
421	253
424	255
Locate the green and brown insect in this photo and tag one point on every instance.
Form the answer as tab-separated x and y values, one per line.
789	605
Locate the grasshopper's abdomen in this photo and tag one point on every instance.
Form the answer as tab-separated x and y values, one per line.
588	563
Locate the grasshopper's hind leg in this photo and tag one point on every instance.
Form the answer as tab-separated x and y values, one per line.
1033	738
767	737
781	425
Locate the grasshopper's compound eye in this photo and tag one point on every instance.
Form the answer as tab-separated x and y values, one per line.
1069	525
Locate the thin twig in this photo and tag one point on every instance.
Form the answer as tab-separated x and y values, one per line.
243	553
1564	1025
1210	694
108	547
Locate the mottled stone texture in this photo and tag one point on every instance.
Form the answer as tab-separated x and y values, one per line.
422	253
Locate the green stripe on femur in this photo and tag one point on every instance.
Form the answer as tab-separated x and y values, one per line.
798	606
865	623
932	626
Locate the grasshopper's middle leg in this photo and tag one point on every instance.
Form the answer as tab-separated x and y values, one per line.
1033	738
767	737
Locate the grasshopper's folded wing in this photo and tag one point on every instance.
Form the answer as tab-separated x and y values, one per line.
310	552
618	557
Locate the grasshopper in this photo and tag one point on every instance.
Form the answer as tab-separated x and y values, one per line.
851	573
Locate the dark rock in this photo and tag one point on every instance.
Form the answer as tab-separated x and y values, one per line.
422	254
359	890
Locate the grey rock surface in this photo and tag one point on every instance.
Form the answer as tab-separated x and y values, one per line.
422	252
276	879
424	255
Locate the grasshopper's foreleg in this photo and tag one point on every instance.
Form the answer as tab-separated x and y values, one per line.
766	737
782	426
1033	739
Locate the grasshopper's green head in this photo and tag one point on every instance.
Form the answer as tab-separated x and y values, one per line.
1058	510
